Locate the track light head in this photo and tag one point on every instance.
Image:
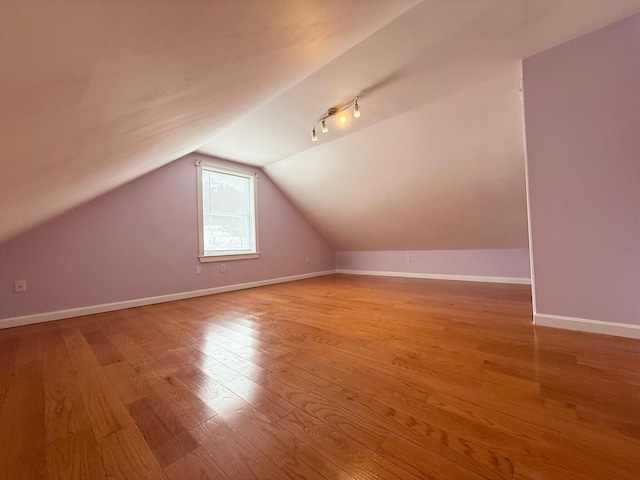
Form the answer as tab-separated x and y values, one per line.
342	118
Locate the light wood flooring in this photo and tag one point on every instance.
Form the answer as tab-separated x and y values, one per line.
336	377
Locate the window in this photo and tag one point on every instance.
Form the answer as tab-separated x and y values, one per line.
227	220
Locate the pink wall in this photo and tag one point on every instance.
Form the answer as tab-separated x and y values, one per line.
141	241
481	263
582	103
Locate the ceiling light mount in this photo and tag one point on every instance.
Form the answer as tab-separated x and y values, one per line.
332	112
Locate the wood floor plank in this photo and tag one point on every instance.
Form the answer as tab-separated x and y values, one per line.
422	462
75	457
615	457
163	432
309	382
261	398
102	347
107	412
359	427
8	352
348	454
444	434
133	352
257	368
194	465
5	385
291	454
236	456
22	441
126	455
331	373
129	384
219	398
335	377
190	409
65	412
175	357
30	349
71	450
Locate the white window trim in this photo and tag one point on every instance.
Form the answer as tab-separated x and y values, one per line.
216	167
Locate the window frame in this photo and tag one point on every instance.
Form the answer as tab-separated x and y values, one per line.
203	165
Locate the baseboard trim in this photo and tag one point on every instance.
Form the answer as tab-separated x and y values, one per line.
438	276
109	307
586	325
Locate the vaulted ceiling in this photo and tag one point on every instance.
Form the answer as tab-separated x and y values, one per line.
96	93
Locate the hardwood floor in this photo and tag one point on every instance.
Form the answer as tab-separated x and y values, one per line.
337	377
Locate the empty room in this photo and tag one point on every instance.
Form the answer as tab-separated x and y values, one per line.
291	239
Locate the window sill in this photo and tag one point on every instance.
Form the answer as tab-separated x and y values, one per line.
228	258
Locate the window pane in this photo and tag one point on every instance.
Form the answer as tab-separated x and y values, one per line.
227	215
225	193
227	232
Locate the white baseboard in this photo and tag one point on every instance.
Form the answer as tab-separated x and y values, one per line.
109	307
438	276
586	325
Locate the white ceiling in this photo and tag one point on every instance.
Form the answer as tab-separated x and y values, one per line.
96	93
432	50
446	175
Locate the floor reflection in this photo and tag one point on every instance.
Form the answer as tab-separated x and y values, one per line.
225	376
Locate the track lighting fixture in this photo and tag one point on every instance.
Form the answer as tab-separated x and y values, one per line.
335	111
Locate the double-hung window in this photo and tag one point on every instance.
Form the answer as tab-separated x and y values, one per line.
227	220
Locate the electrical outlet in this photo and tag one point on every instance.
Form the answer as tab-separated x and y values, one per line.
198	269
20	286
407	257
307	260
223	268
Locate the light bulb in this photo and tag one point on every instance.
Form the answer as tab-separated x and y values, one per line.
324	126
314	137
356	110
342	118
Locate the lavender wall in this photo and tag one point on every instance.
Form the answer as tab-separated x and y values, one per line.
141	241
477	263
582	104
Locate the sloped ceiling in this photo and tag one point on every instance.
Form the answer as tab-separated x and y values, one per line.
95	93
446	175
436	161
